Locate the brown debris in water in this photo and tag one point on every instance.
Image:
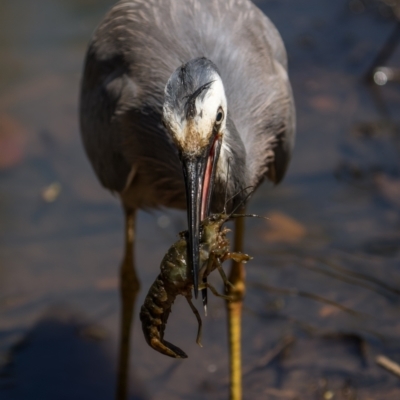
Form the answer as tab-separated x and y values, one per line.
284	229
12	138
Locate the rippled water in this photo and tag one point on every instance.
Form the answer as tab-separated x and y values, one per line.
333	232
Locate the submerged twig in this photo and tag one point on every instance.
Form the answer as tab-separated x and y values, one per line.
271	354
349	280
359	275
296	292
388	364
360	279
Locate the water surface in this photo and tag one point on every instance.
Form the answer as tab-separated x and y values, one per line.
334	228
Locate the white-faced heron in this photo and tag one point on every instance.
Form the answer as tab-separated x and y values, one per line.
185	103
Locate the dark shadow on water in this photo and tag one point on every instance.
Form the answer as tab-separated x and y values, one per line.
57	360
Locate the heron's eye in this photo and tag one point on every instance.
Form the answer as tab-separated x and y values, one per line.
220	117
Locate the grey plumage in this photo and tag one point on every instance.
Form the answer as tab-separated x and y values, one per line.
133	53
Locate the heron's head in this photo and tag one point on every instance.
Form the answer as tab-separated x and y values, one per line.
194	113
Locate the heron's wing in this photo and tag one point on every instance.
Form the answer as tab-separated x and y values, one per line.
121	128
102	88
266	113
284	124
127	66
284	132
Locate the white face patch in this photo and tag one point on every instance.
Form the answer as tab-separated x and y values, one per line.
192	135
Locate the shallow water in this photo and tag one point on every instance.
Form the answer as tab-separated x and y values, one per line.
333	232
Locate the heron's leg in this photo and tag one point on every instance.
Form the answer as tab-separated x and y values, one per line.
234	307
129	288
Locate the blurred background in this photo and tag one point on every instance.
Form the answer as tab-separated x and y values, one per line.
324	286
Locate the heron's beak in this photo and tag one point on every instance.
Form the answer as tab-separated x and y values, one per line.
199	172
193	171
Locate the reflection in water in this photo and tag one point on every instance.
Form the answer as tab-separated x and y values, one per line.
57	359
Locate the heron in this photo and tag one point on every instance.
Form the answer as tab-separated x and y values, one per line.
185	103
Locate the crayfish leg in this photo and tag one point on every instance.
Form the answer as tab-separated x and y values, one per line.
215	293
238	257
200	322
223	275
204	272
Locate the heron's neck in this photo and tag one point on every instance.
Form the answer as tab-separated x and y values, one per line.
231	167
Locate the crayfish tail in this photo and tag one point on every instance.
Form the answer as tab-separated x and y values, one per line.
154	316
167	348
